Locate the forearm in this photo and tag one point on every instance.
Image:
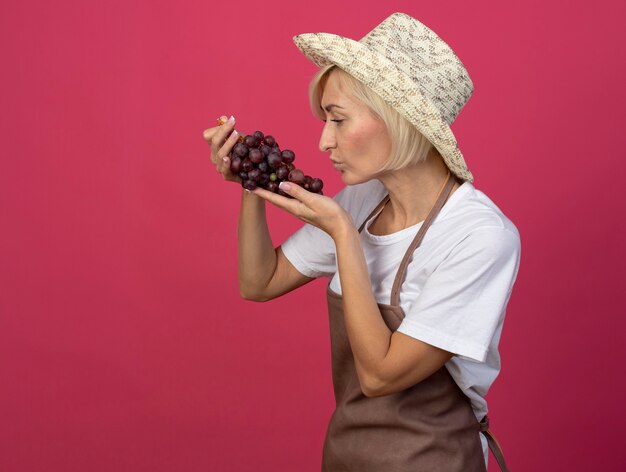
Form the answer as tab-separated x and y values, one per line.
368	334
257	257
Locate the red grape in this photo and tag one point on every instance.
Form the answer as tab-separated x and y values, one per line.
274	160
265	149
240	150
250	141
316	185
254	175
288	156
264	179
296	176
249	185
306	182
256	156
247	165
259	162
235	165
282	173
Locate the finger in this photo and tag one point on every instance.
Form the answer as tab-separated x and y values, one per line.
219	132
208	134
224	130
228	145
223	166
288	204
297	192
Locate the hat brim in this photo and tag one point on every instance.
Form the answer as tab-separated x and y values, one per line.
398	90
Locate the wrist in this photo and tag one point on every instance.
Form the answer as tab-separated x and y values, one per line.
344	227
248	196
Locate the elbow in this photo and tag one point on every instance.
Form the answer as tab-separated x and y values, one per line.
369	393
251	295
372	391
381	383
372	386
379	386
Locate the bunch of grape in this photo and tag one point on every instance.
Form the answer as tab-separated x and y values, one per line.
259	162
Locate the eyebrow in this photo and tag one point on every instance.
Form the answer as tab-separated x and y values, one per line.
331	106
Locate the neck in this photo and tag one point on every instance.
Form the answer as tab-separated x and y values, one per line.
412	192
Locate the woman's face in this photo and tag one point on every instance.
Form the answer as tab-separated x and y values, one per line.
356	139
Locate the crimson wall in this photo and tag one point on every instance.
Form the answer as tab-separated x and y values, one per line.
124	345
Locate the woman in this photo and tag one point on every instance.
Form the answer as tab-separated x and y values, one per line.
421	263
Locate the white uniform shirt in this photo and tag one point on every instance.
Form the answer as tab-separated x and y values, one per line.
457	284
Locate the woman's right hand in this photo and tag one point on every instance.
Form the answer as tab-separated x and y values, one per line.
222	138
264	272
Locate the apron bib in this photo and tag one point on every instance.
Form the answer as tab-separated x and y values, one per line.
428	427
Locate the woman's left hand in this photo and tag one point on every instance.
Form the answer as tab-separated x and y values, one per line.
318	210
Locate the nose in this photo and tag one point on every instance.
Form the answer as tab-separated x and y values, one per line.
327	139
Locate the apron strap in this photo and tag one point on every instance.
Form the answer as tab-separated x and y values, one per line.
374	211
496	450
442	196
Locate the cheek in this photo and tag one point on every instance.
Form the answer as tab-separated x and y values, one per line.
373	142
371	135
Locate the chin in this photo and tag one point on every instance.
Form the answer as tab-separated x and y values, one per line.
351	179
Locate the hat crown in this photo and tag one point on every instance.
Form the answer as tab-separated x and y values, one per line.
425	59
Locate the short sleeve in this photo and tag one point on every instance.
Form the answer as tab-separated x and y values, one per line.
311	251
464	300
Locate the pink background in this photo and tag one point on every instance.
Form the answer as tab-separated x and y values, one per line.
124	345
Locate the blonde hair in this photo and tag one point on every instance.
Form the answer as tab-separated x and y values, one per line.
408	145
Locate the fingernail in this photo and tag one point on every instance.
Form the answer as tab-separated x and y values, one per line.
234	134
284	186
225	159
231	120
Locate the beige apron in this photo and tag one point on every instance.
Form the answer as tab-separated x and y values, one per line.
427	427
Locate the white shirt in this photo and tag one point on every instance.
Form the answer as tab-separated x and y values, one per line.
457	284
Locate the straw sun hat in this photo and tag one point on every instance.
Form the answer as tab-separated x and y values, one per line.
412	69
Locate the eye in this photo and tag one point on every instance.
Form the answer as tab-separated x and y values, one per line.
337	121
